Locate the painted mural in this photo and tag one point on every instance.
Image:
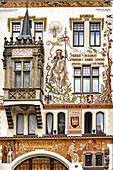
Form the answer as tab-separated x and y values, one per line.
73	148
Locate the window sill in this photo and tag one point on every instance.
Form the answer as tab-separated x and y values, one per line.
87	93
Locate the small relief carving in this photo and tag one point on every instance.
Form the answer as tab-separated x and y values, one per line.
22	52
72	153
7	154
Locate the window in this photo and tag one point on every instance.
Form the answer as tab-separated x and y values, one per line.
98	160
88	122
20	124
88	160
31	123
38	31
49	123
61	123
86	79
15	30
22	74
95	34
78	34
100	123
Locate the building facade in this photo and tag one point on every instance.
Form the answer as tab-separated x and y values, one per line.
56	104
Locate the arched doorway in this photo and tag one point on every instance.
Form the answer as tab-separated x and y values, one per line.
41	163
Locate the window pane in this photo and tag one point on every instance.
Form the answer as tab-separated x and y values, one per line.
97	38
18	79
49	123
26	79
86	85
20	124
18	66
75	38
32	126
77	71
98	160
95	71
81	34
86	70
88	122
91	38
77	84
37	35
100	122
61	123
88	160
95	84
26	66
38	26
15	34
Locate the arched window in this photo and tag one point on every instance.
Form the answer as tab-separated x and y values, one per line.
61	123
88	122
100	122
20	124
49	123
31	123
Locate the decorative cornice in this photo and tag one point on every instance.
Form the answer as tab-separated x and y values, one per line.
20	18
78	106
83	17
16	4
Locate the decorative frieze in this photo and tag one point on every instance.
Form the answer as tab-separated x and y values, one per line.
22	52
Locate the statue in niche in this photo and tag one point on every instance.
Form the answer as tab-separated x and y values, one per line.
7	154
59	72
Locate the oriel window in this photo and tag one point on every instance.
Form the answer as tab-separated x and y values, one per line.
95	34
38	31
78	34
15	30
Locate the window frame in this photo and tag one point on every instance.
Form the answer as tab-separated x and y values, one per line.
52	123
38	31
78	31
90	76
19	23
28	123
94	34
91	159
87	123
17	124
96	123
58	123
22	71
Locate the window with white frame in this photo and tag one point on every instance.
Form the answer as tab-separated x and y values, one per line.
99	123
31	124
20	124
49	123
86	79
61	123
22	74
38	31
15	30
95	34
78	34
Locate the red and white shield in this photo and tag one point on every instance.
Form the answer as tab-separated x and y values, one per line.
74	121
